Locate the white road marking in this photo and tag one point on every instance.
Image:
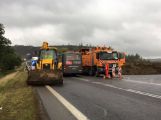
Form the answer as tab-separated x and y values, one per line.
128	90
68	105
86	80
134	81
108	85
144	93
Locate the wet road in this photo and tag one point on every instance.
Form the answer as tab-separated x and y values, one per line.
133	98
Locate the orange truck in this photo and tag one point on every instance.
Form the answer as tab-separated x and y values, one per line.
95	59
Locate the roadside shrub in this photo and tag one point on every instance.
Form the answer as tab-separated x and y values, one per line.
8	58
10	61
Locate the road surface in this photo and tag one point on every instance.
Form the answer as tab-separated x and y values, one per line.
133	98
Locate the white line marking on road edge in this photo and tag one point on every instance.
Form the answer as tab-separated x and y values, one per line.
134	81
68	105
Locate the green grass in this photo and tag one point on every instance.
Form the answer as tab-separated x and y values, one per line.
17	100
2	74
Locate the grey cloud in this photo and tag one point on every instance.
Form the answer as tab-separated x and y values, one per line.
131	26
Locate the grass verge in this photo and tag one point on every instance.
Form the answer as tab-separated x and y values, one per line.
17	100
2	74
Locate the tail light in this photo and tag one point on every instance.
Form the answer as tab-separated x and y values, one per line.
68	62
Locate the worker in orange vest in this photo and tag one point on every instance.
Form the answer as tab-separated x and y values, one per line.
120	72
113	71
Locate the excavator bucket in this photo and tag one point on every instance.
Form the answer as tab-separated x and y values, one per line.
38	77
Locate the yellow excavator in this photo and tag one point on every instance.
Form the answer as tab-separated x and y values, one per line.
47	69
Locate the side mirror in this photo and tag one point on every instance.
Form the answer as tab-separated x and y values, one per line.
119	56
97	56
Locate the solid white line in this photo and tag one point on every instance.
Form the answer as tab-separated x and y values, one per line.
134	81
68	105
86	80
108	85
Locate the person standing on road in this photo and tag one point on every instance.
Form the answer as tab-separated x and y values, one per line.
120	72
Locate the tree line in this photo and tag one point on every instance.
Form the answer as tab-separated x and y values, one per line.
8	58
136	65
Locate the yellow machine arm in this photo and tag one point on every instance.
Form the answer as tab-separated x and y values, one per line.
45	46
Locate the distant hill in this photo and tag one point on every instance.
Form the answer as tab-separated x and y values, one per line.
23	50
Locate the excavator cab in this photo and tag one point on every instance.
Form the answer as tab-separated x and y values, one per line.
47	59
47	69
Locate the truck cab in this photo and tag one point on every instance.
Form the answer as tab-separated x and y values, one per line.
106	57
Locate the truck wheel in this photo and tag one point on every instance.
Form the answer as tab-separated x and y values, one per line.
91	73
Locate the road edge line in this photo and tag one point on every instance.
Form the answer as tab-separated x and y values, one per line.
77	114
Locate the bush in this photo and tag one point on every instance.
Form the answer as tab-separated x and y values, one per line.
10	61
8	58
136	65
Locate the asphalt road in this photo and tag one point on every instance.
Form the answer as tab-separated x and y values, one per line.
133	98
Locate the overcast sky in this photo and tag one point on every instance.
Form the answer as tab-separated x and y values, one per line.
133	26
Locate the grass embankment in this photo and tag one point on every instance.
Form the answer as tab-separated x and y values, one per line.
2	74
136	65
17	100
142	68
